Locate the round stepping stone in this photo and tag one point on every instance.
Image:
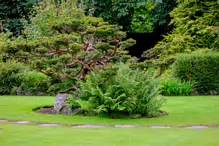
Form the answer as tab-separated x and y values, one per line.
49	125
3	121
124	126
88	126
22	122
160	127
198	127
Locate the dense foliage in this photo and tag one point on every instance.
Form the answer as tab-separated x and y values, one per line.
196	28
113	11
125	92
63	43
161	13
152	16
10	76
203	69
128	13
12	12
131	14
33	83
142	21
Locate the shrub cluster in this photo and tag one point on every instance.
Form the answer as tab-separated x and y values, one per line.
126	92
34	83
203	69
16	79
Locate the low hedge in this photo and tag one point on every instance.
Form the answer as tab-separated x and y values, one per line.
203	69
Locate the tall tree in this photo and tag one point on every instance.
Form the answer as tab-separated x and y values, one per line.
12	12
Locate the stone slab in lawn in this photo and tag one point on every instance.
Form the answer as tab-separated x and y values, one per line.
198	127
160	127
49	125
124	126
88	126
3	121
22	122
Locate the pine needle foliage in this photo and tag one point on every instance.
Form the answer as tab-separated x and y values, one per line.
64	43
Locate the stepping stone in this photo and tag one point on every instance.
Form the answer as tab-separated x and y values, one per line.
88	126
160	127
22	122
49	125
198	127
3	121
124	126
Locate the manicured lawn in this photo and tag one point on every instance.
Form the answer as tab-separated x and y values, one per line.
23	135
183	111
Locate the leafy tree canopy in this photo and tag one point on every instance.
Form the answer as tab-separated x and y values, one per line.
12	12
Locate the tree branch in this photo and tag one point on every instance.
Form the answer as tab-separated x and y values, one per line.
72	64
82	36
68	76
44	72
116	48
70	89
80	62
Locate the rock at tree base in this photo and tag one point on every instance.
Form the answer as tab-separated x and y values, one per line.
66	110
60	102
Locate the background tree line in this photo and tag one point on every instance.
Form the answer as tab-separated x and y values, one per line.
138	16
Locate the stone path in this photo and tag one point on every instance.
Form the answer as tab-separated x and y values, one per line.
21	122
102	126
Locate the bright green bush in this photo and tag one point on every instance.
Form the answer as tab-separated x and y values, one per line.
10	76
34	82
203	69
125	92
174	87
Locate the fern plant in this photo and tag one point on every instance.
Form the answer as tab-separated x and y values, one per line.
127	92
175	87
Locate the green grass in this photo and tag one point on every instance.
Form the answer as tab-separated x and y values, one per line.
24	135
183	111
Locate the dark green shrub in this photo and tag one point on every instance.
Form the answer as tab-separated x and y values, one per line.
175	87
10	76
127	92
203	69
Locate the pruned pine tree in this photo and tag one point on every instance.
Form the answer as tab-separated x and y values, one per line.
64	43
